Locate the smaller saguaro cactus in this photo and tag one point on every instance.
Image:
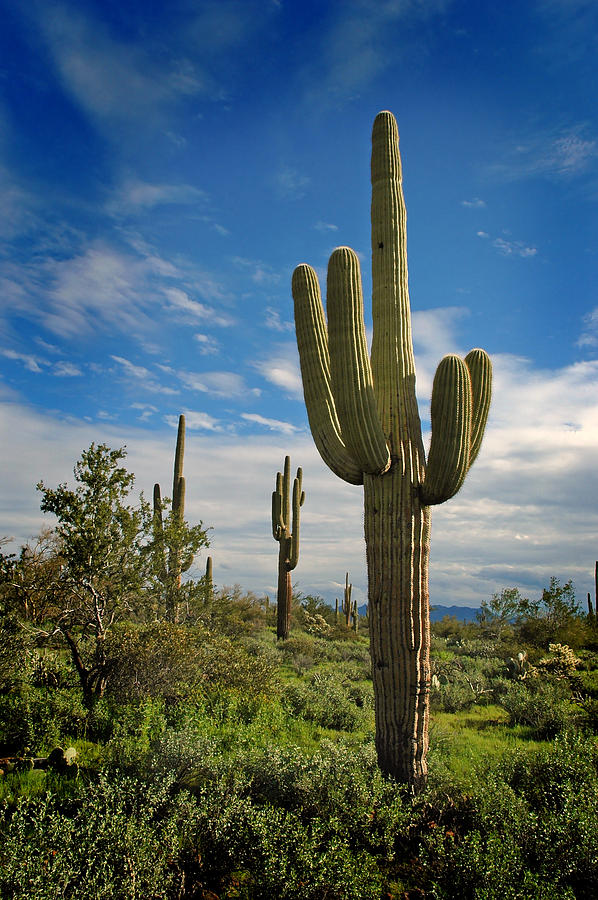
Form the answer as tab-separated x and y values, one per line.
286	531
167	554
347	604
209	580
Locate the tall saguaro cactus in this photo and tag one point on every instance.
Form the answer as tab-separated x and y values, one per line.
286	532
365	423
169	563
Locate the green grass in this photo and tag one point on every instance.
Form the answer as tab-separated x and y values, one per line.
464	740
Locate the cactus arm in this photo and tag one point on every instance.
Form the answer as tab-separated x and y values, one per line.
451	413
393	363
298	499
350	368
178	500
178	503
286	492
277	525
480	370
312	343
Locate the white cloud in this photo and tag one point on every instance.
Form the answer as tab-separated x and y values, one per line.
180	301
116	82
360	41
513	248
509	248
275	323
141	374
527	510
259	272
196	421
272	424
557	154
476	203
290	183
219	384
208	345
64	369
135	195
281	369
31	362
325	226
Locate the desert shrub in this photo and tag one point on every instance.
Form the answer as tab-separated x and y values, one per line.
543	706
156	660
114	839
15	655
135	727
39	718
325	702
172	661
462	681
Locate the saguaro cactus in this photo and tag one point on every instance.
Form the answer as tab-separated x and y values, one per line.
287	535
168	558
365	423
347	604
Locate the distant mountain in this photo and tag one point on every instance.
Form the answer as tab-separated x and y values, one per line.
462	613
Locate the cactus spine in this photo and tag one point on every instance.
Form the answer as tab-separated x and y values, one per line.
286	532
168	558
365	423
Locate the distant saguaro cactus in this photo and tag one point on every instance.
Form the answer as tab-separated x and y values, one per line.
347	604
286	532
167	553
365	423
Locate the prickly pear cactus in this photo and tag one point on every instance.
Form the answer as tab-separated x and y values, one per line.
365	423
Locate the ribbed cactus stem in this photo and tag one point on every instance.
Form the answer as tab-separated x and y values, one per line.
286	531
169	565
178	482
347	607
365	422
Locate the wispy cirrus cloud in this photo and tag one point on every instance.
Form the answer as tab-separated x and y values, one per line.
31	362
192	310
271	424
274	322
360	42
290	183
219	384
566	153
135	195
142	376
113	80
509	248
196	421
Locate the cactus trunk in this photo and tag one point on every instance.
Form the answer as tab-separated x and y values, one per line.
287	534
397	535
284	595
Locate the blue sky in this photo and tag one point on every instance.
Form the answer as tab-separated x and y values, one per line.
164	167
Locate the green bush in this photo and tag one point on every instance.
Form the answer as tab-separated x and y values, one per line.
39	718
114	839
545	707
325	702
